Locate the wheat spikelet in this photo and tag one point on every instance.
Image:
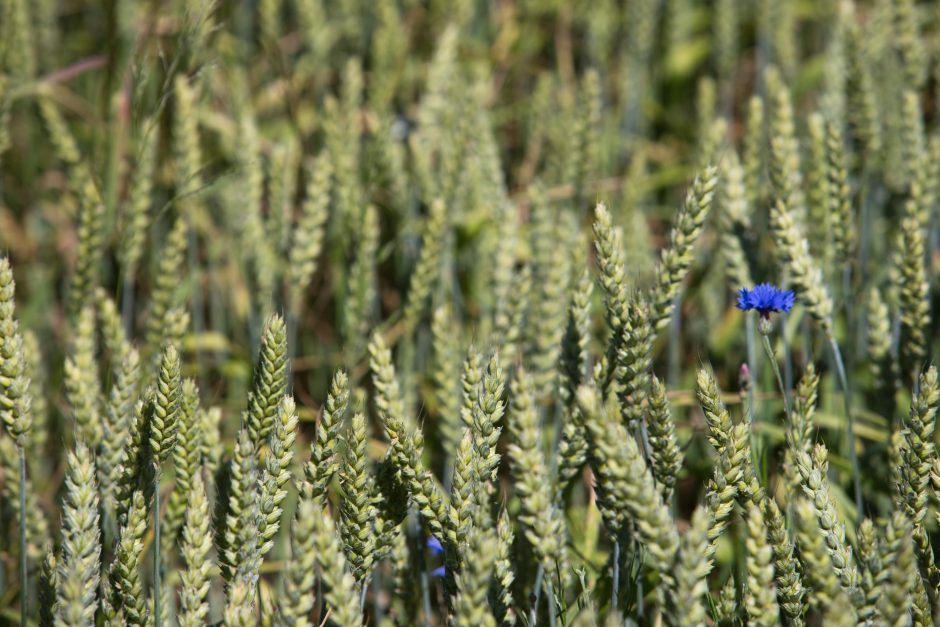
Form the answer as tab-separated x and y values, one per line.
897	580
446	373
550	277
362	281
691	573
790	590
677	256
760	597
164	414
323	463
79	567
125	577
357	511
307	241
633	361
81	379
270	380
39	407
239	548
46	593
840	194
196	546
166	282
15	397
427	268
473	583
136	218
543	524
300	576
816	489
119	417
735	204
186	464
341	594
664	445
631	484
793	251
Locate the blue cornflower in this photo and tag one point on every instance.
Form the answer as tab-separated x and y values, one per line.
765	299
435	546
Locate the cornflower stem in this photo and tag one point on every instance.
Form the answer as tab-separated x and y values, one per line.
127	303
24	588
638	582
376	590
414	531
615	577
675	339
850	422
748	401
769	350
157	621
751	365
362	595
291	346
550	597
846	302
536	595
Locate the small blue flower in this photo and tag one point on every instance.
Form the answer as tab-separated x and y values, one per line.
765	299
434	545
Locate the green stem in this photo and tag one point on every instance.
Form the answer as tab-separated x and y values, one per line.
536	593
156	547
615	576
24	572
850	425
550	597
765	339
752	366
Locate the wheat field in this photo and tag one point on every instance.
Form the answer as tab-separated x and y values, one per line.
473	313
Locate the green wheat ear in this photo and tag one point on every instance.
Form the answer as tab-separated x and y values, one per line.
428	266
896	581
473	583
125	577
691	573
790	590
81	379
625	475
270	380
300	577
307	242
504	576
165	407
186	458
278	476
665	452
195	549
357	511
542	521
342	596
678	255
323	462
80	565
165	284
15	398
760	597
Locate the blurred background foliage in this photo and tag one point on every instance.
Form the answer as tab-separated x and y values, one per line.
518	115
